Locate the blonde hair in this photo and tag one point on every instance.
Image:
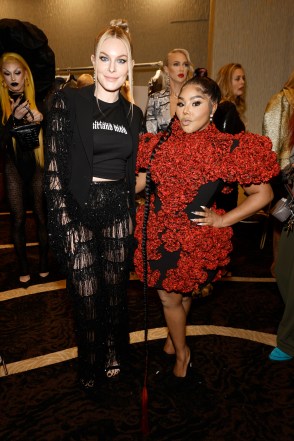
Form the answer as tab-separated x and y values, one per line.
224	80
118	28
85	80
165	64
290	82
29	92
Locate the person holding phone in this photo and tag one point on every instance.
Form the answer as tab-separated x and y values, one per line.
23	169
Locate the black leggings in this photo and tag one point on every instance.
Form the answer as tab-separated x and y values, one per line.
18	191
98	269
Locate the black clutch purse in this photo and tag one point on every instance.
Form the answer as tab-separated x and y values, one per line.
27	135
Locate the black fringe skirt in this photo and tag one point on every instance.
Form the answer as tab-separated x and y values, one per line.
98	272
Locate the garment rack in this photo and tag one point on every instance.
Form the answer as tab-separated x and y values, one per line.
60	70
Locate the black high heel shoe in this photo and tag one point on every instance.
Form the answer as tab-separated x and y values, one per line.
177	384
26	284
188	373
43	278
191	380
113	372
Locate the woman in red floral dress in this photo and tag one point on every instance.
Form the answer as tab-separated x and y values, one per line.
188	239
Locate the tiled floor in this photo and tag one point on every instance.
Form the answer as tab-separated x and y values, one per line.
234	393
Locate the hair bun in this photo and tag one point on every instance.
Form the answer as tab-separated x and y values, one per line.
120	23
200	72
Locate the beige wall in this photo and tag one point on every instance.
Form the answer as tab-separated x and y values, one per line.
156	27
259	34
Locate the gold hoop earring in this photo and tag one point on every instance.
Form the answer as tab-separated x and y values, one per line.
3	84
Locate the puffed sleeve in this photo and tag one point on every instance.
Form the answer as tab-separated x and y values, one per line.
147	143
252	161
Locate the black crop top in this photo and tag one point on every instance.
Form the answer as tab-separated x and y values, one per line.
112	141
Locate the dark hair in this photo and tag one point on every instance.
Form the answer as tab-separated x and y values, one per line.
208	87
148	190
200	72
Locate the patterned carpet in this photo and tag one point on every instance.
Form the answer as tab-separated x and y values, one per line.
233	393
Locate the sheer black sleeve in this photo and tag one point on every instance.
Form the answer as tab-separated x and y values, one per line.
62	208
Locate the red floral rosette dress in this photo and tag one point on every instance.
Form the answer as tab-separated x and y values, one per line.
187	171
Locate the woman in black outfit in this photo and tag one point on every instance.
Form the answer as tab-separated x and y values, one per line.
23	169
228	116
90	186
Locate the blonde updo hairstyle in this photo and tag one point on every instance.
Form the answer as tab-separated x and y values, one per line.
118	28
165	81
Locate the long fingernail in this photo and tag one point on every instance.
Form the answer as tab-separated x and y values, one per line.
202	206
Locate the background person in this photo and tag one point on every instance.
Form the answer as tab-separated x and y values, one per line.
23	169
285	276
276	126
161	106
229	116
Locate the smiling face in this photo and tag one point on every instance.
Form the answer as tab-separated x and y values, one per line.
111	68
238	82
194	109
14	75
177	67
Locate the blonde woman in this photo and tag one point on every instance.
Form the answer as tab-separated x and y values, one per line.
23	169
161	107
90	187
229	116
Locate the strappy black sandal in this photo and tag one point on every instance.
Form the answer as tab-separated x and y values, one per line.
112	372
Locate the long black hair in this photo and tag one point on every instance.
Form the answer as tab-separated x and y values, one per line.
162	139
